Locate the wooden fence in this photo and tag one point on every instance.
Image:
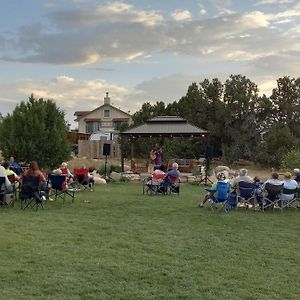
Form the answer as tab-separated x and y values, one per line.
94	149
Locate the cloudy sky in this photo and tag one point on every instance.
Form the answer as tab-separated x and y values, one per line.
73	51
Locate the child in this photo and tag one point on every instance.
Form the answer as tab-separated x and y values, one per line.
258	192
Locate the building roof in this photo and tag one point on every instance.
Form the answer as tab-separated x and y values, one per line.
92	119
81	114
120	119
165	126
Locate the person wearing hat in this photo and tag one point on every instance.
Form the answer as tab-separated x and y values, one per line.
289	184
221	177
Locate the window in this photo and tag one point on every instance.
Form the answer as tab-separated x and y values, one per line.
92	127
118	125
106	113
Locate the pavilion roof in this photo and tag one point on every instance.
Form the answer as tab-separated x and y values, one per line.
168	126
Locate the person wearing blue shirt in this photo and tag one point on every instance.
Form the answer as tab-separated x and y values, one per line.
15	166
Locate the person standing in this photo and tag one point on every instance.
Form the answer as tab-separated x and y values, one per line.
156	155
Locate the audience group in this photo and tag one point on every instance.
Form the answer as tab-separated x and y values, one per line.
160	177
13	173
289	182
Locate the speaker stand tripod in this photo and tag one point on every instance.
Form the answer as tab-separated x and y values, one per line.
205	180
105	170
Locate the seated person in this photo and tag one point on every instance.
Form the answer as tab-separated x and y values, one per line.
157	176
34	170
8	184
174	172
90	177
65	171
58	172
243	176
273	180
297	175
258	192
290	184
221	177
8	171
15	166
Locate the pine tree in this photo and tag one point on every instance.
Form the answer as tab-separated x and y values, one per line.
36	130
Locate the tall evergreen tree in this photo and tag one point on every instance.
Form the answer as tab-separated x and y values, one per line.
36	130
240	134
286	98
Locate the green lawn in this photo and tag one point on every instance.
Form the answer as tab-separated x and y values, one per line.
124	245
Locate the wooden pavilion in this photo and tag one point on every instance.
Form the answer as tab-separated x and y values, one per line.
163	126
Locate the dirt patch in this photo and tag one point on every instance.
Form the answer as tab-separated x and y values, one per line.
253	169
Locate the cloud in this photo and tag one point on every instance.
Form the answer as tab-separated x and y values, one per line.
181	15
270	2
102	69
70	94
116	12
120	32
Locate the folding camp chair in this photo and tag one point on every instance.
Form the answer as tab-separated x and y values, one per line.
29	192
173	184
272	195
289	203
2	190
245	194
220	195
154	185
82	180
15	184
7	196
58	185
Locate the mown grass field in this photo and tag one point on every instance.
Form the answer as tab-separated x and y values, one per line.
125	245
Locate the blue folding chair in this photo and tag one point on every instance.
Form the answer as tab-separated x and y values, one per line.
58	186
220	195
245	194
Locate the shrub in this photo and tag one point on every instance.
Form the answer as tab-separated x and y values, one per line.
115	168
291	160
124	179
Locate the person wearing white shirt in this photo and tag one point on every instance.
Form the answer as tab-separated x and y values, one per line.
273	180
3	174
243	176
290	184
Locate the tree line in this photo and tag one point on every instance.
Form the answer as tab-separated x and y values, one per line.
242	124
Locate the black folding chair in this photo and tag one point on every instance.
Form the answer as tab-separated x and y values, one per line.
7	195
58	186
272	196
154	185
2	190
245	194
29	192
173	184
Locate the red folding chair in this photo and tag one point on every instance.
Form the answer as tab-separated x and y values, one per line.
81	177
